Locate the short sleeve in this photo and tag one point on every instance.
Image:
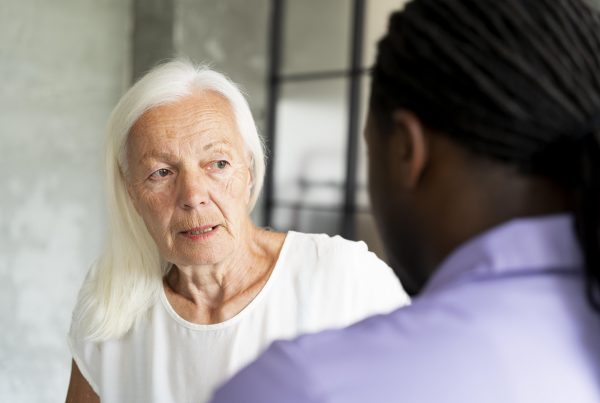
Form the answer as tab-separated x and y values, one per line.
345	283
86	355
379	287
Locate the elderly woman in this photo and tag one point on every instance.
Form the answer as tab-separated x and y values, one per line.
189	290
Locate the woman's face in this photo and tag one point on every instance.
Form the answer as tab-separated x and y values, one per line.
189	178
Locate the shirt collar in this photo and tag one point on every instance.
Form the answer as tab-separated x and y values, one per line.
520	245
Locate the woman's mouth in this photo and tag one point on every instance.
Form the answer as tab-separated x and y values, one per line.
200	233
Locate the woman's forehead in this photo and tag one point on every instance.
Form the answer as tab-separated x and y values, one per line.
205	117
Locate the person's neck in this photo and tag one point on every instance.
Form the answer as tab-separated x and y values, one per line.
476	209
212	285
213	293
461	195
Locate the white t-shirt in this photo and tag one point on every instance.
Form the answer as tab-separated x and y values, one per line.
318	282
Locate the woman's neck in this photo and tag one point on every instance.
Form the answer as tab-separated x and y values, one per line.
214	293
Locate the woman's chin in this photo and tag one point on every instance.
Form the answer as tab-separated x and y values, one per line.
200	258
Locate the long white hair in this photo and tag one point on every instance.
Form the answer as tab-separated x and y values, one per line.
127	278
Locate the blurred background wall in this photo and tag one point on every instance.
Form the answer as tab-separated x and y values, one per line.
64	65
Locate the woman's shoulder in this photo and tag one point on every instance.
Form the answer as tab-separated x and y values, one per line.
340	279
322	253
323	244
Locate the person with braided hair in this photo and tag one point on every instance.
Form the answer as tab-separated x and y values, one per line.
483	137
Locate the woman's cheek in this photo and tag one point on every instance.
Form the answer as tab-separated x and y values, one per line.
157	198
237	183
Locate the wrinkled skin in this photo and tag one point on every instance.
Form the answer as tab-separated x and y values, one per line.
188	168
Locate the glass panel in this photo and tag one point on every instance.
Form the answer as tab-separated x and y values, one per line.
310	147
376	24
306	220
316	35
362	196
362	187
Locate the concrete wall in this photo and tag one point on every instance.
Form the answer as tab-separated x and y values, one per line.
63	65
231	36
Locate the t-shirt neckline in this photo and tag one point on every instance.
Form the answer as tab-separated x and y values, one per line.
246	310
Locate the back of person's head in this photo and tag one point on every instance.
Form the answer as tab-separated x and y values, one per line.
515	81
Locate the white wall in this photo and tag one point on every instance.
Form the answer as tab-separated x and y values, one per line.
63	66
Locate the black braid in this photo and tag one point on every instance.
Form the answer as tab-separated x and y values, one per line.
516	80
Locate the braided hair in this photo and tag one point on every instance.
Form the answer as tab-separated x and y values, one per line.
515	80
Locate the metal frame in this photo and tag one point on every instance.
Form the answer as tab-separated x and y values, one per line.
275	41
348	227
275	79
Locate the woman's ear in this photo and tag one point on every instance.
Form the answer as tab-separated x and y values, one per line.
409	142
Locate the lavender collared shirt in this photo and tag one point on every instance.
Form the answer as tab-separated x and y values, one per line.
504	319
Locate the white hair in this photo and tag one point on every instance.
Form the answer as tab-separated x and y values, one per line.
127	278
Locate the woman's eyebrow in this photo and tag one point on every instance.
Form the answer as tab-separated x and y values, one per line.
161	155
214	144
166	156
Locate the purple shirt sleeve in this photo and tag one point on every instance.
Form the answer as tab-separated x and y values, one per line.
276	376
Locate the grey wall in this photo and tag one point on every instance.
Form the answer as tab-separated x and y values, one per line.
152	36
63	65
231	36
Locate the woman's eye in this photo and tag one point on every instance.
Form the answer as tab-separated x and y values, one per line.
222	164
161	173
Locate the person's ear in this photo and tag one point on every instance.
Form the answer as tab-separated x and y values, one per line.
409	143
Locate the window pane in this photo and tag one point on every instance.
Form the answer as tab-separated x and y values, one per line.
316	35
307	220
310	148
362	196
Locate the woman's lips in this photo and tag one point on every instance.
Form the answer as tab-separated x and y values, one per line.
200	233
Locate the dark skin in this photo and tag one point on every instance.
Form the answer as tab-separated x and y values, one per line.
430	195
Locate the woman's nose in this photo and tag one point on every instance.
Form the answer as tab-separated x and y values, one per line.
192	191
